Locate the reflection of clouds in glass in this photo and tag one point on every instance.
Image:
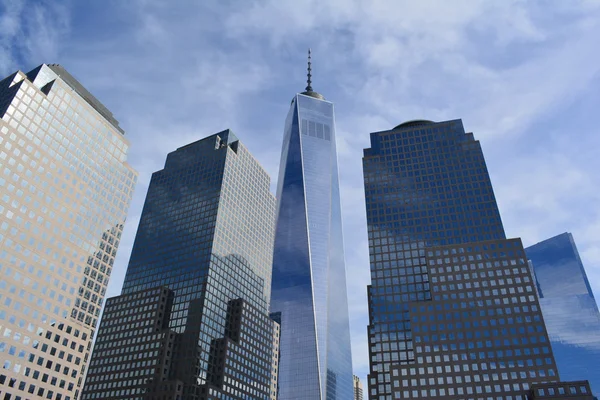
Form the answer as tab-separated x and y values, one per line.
413	194
573	324
206	232
573	320
309	282
292	236
558	267
569	308
162	218
180	209
560	278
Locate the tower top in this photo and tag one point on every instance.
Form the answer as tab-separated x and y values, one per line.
308	75
309	90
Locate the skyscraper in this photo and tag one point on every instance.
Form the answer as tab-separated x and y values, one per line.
569	308
65	187
453	311
309	279
192	321
358	388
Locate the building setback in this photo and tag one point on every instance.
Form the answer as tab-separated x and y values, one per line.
65	187
309	277
192	320
569	308
453	311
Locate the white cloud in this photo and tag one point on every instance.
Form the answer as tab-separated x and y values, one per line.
30	31
9	29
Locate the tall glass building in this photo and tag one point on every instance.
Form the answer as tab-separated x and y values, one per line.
453	310
309	279
192	321
569	308
65	187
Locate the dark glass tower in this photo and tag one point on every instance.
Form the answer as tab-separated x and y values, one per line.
569	308
309	279
192	320
452	304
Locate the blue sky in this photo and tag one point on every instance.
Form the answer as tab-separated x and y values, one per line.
523	76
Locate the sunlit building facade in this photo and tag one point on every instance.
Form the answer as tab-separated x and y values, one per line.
358	388
192	321
453	310
65	187
569	308
309	279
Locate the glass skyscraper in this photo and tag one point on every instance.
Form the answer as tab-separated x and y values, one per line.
65	187
192	321
453	310
569	308
309	282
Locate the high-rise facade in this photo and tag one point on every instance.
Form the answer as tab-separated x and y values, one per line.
453	311
358	388
569	308
65	187
192	321
309	279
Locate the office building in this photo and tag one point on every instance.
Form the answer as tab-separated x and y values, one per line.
65	187
358	388
453	311
309	279
192	321
569	308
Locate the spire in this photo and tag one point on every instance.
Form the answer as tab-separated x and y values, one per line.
308	75
309	90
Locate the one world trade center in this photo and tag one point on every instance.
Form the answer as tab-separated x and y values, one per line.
309	278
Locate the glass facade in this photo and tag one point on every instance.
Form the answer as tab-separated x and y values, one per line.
569	308
206	234
65	188
309	281
453	311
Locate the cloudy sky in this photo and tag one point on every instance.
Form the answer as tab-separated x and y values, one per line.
523	76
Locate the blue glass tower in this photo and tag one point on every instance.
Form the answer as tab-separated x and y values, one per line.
569	308
308	293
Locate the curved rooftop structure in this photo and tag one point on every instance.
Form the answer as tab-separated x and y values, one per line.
414	122
313	94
